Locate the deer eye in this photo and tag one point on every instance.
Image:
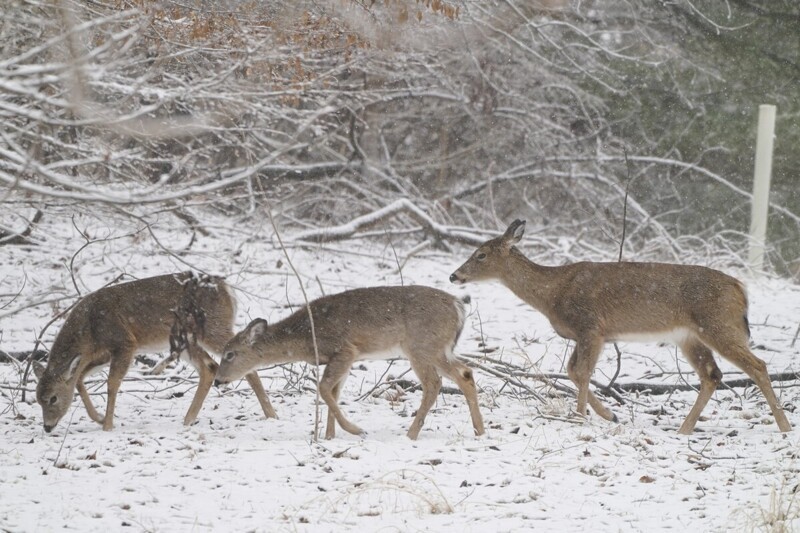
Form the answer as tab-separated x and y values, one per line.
481	256
53	400
229	356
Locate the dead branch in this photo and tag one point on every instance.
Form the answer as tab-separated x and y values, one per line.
8	236
666	388
190	220
438	231
310	319
514	373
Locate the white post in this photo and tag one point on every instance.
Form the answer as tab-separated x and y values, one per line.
761	178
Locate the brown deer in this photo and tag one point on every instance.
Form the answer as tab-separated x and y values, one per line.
418	323
108	326
695	307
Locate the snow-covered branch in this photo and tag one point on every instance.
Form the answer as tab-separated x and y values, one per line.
403	206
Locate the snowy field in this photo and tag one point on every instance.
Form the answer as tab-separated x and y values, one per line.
537	467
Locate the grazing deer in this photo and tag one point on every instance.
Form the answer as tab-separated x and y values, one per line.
419	323
695	307
109	325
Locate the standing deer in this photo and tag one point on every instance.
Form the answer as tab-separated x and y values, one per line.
419	323
111	324
695	307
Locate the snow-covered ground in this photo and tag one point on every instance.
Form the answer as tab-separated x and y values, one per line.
536	467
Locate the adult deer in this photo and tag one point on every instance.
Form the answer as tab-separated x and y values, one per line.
695	307
419	323
108	326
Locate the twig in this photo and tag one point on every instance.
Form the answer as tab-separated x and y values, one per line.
66	432
414	251
25	282
625	205
608	388
396	260
379	383
310	318
510	379
78	251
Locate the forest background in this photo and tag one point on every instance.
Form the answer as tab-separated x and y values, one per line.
562	113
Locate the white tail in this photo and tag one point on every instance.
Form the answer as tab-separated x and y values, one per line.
697	308
419	323
108	327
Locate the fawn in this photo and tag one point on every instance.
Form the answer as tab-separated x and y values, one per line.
108	326
421	324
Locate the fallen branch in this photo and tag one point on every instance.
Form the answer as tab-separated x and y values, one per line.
513	373
8	236
666	388
403	206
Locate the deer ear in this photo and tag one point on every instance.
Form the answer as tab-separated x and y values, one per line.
514	232
38	369
256	329
73	366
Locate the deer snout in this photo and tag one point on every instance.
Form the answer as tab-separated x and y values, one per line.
455	279
218	382
48	429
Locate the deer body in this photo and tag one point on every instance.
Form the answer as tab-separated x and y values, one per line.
112	324
697	308
418	323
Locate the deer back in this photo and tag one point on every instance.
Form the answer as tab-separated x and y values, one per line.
136	315
372	323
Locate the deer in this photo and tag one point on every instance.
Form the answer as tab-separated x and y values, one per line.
109	326
421	324
699	309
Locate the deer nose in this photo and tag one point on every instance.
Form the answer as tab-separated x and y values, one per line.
453	277
217	383
48	429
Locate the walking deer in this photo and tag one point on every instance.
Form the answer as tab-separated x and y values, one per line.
108	326
419	323
695	307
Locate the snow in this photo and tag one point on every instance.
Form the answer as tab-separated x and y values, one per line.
537	467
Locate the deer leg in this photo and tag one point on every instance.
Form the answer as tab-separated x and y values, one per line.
161	365
120	362
330	427
462	375
337	368
261	394
206	370
87	402
702	360
431	385
733	346
580	367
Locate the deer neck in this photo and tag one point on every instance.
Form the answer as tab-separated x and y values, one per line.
286	346
533	283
